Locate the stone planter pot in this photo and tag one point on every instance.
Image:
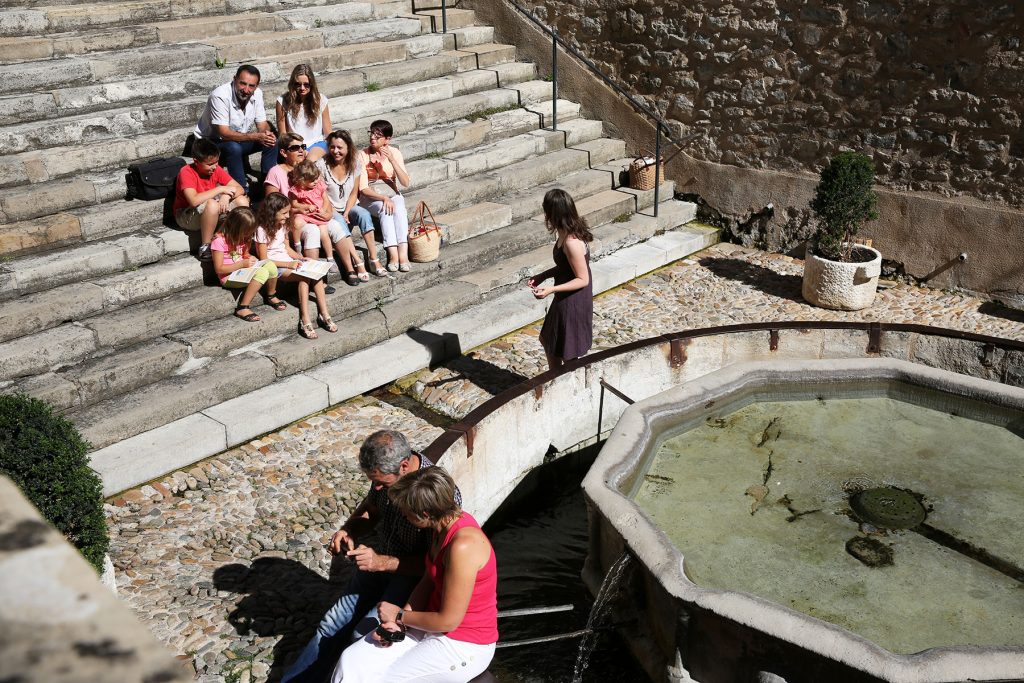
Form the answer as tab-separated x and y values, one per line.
841	286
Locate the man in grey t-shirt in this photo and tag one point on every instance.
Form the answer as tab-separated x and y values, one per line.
235	119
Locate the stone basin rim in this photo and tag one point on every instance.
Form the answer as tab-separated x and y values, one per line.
636	433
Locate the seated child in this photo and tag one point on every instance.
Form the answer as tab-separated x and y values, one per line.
204	192
313	224
230	252
271	243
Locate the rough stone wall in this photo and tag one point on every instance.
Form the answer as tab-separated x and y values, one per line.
932	90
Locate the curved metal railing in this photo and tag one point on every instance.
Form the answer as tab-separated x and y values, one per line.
463	429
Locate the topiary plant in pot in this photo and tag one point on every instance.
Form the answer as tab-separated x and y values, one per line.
838	273
47	458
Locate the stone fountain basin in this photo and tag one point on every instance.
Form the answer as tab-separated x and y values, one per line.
686	632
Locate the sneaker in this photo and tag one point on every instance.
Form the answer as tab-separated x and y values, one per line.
204	253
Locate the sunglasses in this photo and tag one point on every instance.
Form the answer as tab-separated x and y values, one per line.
294	148
304	86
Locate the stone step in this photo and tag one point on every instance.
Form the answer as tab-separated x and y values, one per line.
47	22
108	214
455	18
401	303
129	317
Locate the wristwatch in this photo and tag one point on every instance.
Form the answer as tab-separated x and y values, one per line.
398	619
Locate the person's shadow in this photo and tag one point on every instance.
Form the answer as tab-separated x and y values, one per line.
283	598
764	279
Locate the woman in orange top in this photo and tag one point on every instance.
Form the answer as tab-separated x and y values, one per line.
383	165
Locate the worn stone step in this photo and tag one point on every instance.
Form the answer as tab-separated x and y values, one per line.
74	43
203	28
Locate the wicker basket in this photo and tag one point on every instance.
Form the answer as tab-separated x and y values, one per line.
641	172
424	235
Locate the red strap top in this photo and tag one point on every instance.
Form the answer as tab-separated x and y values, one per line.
480	625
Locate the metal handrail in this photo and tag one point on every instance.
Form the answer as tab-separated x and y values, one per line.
661	128
464	428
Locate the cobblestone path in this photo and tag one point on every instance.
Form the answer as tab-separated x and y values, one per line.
226	562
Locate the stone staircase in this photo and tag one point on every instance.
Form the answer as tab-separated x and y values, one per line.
103	311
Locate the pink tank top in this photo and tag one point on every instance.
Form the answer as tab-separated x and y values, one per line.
480	625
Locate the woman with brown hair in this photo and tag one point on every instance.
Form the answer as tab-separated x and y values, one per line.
303	110
342	168
568	329
448	629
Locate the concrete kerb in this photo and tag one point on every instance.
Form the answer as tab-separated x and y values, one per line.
212	430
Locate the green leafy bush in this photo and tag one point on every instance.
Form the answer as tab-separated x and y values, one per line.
843	200
46	457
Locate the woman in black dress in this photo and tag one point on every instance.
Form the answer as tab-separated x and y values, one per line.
568	326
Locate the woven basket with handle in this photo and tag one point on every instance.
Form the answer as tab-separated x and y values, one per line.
424	235
641	172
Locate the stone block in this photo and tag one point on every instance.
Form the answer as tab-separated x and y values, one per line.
329	15
958	355
175	241
25	48
35	273
126	370
247	47
36	353
580	184
397	97
474	220
140	249
36	312
170	399
202	28
348	56
46	198
484	53
61	228
410	71
338	84
356	332
612	271
76	17
148	455
293	398
363	370
224	334
496	154
105	220
154	318
49	387
49	73
486	322
190	8
465	82
384	9
26	107
415	309
62	161
119	38
22	22
512	271
151	60
381	30
151	282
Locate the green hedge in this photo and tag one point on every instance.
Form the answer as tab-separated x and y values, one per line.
46	457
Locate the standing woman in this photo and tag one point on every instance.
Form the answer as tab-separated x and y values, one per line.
451	619
304	111
568	329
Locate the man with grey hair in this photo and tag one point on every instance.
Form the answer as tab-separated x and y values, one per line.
388	572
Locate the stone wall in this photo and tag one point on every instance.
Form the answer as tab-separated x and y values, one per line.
932	91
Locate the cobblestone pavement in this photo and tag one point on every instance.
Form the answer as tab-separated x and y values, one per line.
226	562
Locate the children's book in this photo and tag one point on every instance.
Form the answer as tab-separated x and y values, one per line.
314	270
244	275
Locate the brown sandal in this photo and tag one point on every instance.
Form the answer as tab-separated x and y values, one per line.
306	330
249	317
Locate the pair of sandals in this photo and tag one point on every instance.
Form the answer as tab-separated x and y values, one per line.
353	278
306	329
271	300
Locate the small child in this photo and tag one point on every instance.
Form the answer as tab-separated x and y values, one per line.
272	215
312	222
204	191
230	249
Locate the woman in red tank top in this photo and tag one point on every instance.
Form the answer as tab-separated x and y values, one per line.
450	623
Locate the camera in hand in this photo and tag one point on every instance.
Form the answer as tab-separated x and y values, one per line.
390	636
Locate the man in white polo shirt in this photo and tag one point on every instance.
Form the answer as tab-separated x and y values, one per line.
234	118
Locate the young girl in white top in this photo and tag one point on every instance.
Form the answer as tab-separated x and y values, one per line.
383	165
272	243
304	111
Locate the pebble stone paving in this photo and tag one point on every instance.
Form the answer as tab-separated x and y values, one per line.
226	561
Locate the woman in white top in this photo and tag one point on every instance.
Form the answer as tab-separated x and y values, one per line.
304	111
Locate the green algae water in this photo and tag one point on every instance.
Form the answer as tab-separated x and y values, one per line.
757	501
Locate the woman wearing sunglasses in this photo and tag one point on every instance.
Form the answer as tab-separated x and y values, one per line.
304	111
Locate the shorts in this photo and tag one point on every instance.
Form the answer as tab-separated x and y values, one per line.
317	145
188	218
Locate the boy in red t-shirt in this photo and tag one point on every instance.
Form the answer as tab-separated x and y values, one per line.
204	193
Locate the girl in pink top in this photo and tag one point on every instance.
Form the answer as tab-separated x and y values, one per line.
451	620
271	243
313	216
230	252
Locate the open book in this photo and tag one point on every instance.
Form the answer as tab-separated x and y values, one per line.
314	270
244	275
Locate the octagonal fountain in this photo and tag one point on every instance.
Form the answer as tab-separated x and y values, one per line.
840	520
